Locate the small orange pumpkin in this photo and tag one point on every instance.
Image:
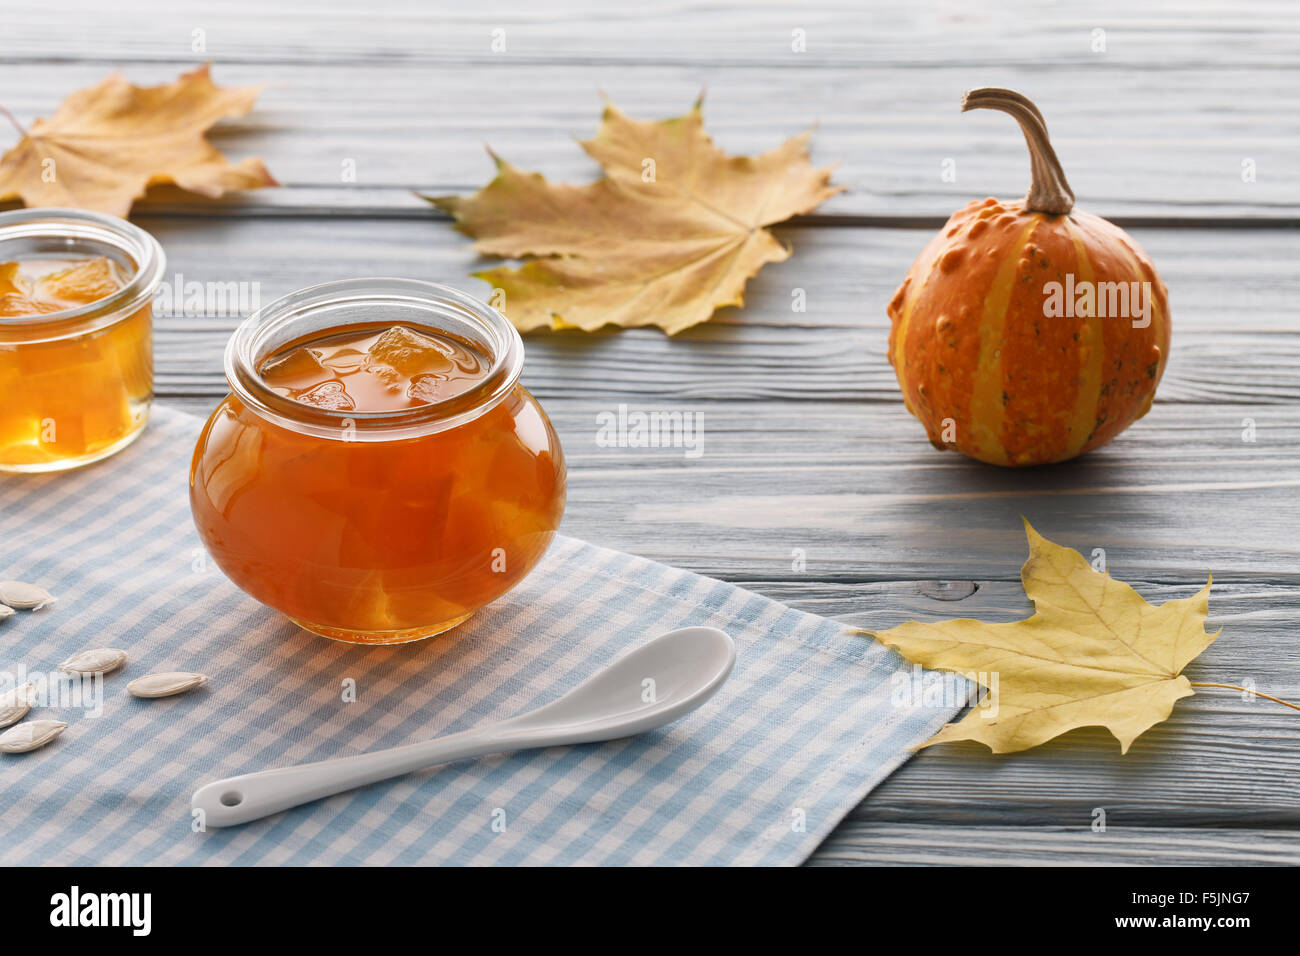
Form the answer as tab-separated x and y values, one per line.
1025	332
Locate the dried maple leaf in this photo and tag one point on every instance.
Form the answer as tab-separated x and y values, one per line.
1094	654
105	145
670	234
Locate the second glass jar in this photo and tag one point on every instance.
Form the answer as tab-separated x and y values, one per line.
75	383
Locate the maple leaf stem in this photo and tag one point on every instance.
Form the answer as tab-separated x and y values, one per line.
1245	690
13	119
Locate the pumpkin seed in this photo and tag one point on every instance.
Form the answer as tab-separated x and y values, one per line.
164	685
99	660
23	596
15	703
30	735
5	611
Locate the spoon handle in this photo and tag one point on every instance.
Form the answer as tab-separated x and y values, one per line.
251	796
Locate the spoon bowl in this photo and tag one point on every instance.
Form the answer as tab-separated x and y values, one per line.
650	686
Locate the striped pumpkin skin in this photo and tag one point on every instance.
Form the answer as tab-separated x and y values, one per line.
982	365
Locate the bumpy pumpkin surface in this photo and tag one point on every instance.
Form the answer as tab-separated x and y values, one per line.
1022	336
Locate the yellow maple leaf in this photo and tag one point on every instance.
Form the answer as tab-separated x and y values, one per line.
1094	654
671	233
107	144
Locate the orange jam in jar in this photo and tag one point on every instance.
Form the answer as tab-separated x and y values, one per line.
377	473
76	352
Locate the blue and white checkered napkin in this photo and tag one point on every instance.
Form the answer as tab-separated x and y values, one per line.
804	728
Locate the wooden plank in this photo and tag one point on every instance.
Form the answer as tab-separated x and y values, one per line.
1233	345
768	363
856	844
862	493
1219	282
425	125
1206	33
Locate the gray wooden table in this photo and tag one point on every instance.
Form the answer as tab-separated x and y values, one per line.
1154	109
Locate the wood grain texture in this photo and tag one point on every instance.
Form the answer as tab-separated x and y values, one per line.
426	127
1221	280
867	499
855	844
1204	33
766	363
1232	304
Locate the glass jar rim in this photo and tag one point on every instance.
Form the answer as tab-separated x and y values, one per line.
411	301
93	227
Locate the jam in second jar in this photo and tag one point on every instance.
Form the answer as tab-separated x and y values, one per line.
76	356
377	482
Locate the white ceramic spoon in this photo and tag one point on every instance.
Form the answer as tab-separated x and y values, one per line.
687	666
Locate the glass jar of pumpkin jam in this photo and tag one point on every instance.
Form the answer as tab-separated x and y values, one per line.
377	473
76	352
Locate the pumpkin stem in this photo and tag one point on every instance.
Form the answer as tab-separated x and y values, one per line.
1048	190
